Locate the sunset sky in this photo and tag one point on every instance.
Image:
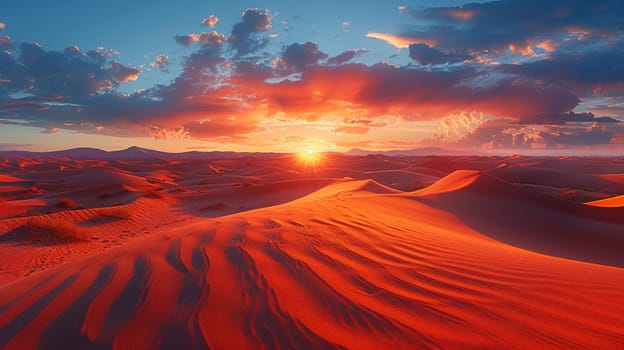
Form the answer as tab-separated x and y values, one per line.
503	76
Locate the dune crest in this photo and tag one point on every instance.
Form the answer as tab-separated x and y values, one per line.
617	201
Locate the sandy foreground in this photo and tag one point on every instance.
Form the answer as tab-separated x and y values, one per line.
274	252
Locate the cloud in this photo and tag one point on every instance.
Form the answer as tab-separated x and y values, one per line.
68	73
210	21
122	73
351	129
490	25
556	33
5	41
231	86
454	127
160	62
596	72
563	118
2	25
50	131
405	92
398	41
107	52
185	40
214	96
243	39
426	55
345	26
345	56
296	57
203	38
506	134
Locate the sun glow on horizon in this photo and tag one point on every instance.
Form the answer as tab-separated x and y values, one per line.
309	156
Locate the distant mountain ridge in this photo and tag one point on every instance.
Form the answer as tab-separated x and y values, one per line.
133	152
424	151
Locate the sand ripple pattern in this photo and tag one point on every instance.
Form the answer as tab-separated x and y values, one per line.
387	273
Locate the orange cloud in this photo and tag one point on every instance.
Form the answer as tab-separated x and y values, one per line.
210	21
400	42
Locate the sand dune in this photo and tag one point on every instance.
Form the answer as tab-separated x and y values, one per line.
316	260
530	220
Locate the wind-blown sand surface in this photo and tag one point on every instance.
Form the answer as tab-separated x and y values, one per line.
362	252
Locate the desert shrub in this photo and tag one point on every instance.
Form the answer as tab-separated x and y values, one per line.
65	203
55	230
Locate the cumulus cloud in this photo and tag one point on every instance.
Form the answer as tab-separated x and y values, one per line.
122	73
68	73
454	127
242	38
298	56
160	62
203	38
210	21
2	25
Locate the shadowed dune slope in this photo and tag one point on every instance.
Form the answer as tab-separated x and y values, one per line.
530	220
358	270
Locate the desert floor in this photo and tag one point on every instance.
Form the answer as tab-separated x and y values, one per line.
278	252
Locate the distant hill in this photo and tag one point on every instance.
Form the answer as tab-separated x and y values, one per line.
128	153
425	151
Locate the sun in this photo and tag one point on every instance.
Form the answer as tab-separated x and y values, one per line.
309	156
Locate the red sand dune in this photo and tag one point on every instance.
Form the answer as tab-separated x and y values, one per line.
318	260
